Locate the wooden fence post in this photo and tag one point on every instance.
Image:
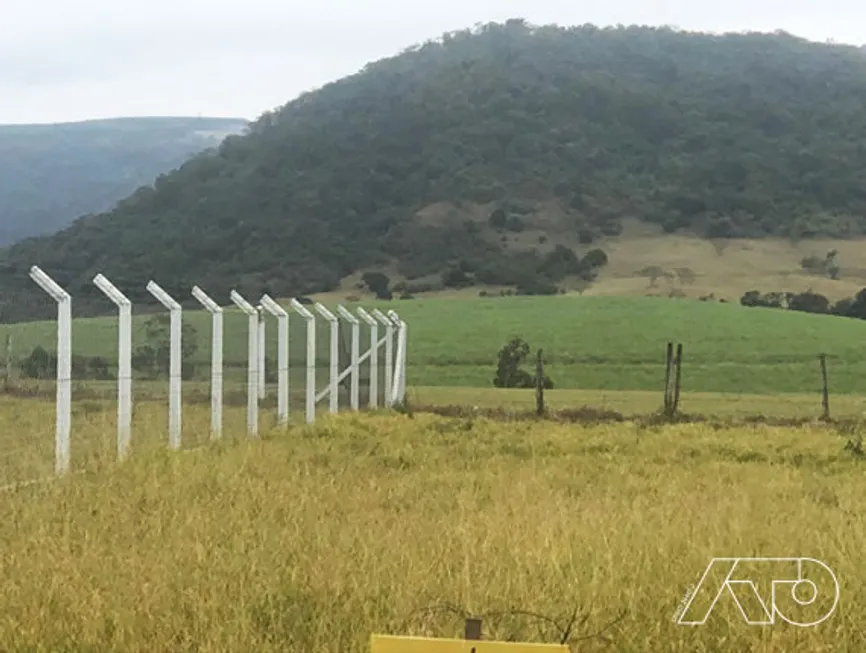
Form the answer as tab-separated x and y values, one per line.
678	379
824	387
539	385
8	359
668	365
673	378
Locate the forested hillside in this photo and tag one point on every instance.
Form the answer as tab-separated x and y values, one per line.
52	174
427	163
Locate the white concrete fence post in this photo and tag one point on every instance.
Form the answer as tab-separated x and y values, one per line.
62	449
124	363
389	354
216	361
399	388
175	365
263	380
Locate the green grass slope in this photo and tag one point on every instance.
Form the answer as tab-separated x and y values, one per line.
592	343
52	174
433	159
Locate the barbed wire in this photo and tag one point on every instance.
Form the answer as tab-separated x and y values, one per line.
566	630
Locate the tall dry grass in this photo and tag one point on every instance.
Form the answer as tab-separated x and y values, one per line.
310	540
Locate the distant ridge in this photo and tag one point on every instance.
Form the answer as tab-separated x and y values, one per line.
52	173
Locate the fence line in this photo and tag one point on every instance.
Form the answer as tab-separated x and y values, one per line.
395	372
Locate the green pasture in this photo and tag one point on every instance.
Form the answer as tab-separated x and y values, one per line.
591	343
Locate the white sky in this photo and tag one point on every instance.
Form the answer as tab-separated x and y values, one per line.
63	60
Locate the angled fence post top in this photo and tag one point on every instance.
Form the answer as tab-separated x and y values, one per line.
272	307
242	303
346	315
49	285
379	315
395	319
162	297
367	317
206	301
111	291
325	313
301	310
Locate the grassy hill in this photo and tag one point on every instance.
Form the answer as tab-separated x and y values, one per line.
688	266
595	343
469	159
52	174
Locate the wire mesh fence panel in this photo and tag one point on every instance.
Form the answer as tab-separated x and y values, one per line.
781	386
29	371
793	388
27	434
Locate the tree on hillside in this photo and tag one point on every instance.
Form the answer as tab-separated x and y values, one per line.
378	284
809	302
825	266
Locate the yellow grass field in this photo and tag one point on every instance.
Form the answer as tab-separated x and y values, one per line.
312	539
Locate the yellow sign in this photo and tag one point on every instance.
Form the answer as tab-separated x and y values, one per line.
389	644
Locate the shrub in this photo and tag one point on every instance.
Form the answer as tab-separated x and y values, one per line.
515	224
378	284
595	258
585	236
508	372
456	278
809	302
497	219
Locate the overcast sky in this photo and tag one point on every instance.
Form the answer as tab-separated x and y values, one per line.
64	60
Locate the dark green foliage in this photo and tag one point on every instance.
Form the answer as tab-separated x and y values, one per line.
560	261
456	278
595	258
585	236
378	284
515	224
854	307
825	266
809	302
52	174
536	287
741	135
497	219
42	364
508	371
767	300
